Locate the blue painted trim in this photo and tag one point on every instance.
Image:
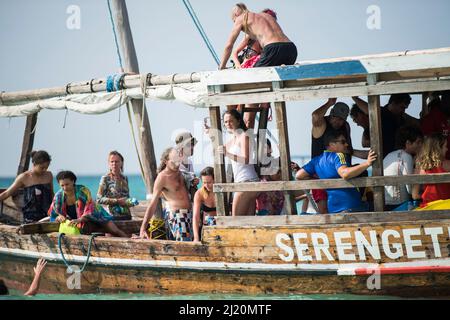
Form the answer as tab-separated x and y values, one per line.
321	70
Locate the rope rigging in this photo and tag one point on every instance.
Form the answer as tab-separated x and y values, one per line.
200	29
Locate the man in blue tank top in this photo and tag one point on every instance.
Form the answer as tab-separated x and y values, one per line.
332	164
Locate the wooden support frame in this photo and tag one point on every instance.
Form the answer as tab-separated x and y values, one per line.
314	92
285	156
219	160
27	144
379	181
376	139
262	135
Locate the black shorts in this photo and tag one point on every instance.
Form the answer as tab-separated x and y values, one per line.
278	53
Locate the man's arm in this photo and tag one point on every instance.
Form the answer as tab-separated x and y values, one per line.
350	172
240	47
318	118
364	106
362	154
302	175
157	191
231	40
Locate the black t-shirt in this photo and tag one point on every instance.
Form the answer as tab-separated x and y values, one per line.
389	126
318	144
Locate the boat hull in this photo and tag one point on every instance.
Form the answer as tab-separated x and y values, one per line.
238	258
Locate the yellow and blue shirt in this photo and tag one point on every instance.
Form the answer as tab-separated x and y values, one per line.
326	166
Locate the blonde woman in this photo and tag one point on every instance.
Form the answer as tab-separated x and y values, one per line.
431	159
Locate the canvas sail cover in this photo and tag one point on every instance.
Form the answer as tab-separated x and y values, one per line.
192	94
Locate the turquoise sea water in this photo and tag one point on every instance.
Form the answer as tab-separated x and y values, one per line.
136	184
15	295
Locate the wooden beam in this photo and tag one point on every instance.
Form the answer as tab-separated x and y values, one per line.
376	143
285	155
333	219
147	150
219	160
262	136
335	183
27	143
329	91
437	62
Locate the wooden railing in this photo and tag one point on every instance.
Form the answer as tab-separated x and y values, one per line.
332	183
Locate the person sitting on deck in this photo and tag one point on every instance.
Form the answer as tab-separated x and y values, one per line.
204	203
333	164
400	162
113	190
393	117
37	185
238	150
185	144
277	48
178	215
431	159
74	203
438	118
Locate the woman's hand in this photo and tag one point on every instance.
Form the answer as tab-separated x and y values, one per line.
143	234
222	150
75	222
60	218
122	202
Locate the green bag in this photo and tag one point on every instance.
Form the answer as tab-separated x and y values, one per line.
68	230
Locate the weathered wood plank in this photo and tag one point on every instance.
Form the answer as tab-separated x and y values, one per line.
432	60
329	91
376	139
285	155
219	161
334	183
331	219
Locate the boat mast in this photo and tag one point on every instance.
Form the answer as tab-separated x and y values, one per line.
27	143
122	26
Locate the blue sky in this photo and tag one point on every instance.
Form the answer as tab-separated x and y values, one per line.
39	51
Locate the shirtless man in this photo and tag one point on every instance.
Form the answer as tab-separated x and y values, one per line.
170	184
277	48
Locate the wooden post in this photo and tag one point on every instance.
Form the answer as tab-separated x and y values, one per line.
27	143
131	65
376	138
285	156
262	135
219	160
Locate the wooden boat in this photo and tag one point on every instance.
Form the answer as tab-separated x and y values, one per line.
394	253
401	253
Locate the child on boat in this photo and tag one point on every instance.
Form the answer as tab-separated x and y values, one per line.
37	185
204	203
